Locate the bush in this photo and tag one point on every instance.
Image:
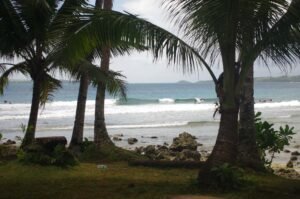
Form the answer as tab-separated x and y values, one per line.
269	139
226	177
37	154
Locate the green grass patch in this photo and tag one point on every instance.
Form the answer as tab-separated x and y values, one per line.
119	181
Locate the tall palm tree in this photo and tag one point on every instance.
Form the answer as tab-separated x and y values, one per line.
23	34
100	132
217	26
248	152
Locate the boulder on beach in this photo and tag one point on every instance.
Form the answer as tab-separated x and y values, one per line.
184	141
132	141
295	153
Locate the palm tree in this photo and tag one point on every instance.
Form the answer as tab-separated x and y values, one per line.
128	32
219	28
24	26
100	132
248	152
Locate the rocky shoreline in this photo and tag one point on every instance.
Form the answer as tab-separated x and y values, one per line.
185	147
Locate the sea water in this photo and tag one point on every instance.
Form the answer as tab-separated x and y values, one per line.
161	110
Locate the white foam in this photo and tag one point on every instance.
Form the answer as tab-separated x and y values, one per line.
199	100
293	103
138	126
166	101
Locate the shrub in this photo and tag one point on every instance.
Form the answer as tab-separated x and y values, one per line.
37	154
226	177
269	139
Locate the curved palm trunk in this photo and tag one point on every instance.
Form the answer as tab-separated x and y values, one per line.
34	110
100	132
77	135
248	155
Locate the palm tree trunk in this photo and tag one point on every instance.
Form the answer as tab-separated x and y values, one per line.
225	149
77	135
31	126
248	155
100	132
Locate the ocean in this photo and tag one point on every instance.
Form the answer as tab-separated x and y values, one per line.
162	110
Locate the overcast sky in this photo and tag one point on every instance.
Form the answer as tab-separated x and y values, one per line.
139	68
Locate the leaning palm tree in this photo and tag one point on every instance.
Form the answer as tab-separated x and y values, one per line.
23	34
217	27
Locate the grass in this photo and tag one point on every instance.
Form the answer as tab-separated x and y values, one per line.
121	181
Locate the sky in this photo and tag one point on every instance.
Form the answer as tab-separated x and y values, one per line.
140	68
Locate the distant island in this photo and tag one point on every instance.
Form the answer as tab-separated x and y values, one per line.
279	79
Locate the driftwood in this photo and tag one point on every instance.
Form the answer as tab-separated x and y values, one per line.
51	142
166	164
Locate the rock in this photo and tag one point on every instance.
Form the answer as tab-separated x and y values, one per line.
166	144
117	139
9	142
153	137
294	158
297	146
287	151
159	147
150	151
132	141
184	141
189	155
288	173
290	164
295	153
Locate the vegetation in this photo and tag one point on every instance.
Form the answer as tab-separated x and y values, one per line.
120	181
239	32
37	154
271	140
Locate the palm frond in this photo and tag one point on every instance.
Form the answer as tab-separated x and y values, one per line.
18	68
88	34
48	86
113	81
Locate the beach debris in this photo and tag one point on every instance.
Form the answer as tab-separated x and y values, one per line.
9	142
153	137
295	153
287	151
297	146
184	141
102	166
132	141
